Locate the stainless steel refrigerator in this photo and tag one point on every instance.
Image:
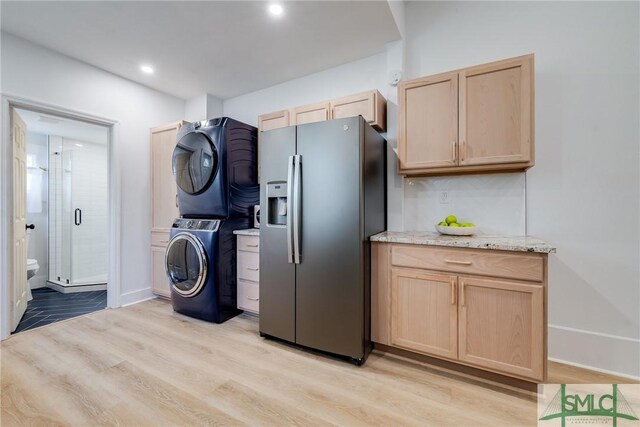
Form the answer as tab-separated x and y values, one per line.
322	196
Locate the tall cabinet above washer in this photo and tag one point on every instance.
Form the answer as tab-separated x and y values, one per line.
164	201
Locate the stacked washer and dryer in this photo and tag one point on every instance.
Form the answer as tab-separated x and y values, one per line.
215	168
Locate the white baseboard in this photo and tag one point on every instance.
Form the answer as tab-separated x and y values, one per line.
600	352
135	297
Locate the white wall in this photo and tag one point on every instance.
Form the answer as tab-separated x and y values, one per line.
35	73
202	107
586	176
347	79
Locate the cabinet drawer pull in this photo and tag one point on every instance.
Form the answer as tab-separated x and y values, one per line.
453	261
453	150
253	299
164	241
453	290
252	246
462	293
253	268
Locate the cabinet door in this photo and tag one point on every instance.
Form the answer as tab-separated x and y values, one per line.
163	186
501	326
370	105
311	113
496	113
424	312
159	282
275	120
428	122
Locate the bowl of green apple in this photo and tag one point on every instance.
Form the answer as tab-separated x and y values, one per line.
450	226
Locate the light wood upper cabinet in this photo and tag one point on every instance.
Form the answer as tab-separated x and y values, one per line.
496	113
164	191
319	112
370	105
478	119
275	120
502	326
429	113
424	314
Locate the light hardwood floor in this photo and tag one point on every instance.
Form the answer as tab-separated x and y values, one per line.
145	365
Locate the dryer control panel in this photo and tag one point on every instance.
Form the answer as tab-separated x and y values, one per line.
197	224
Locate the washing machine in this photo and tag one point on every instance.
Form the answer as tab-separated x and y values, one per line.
200	263
215	165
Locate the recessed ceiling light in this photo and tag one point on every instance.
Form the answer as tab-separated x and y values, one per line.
146	69
79	145
275	9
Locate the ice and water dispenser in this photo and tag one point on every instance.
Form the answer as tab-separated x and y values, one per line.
277	203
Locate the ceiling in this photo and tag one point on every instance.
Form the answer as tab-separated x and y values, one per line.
225	48
49	124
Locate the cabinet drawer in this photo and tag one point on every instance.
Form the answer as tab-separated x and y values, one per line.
249	243
159	238
248	296
248	266
469	261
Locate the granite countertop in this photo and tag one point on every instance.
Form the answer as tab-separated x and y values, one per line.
248	232
482	241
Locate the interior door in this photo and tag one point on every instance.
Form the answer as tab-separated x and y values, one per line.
329	278
19	282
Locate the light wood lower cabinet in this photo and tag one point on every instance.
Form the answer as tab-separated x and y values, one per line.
159	282
424	314
501	325
476	319
248	273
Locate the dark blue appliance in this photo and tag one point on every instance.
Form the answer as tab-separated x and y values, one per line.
201	267
215	166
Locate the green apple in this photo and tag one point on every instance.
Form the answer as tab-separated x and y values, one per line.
454	224
451	219
443	224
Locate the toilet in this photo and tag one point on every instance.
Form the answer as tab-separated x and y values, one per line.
32	268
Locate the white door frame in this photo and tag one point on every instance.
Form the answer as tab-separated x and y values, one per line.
6	200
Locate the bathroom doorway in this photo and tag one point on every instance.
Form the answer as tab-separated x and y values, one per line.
66	201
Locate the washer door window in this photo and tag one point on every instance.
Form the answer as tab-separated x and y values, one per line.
195	162
186	264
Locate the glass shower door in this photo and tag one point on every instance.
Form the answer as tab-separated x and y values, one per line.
78	212
59	212
89	249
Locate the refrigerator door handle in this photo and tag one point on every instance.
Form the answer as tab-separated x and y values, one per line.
289	210
297	207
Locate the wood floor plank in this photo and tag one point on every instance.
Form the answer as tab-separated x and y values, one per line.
145	365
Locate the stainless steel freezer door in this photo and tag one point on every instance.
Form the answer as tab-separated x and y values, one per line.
277	275
329	281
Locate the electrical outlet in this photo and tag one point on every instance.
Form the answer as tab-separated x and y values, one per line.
444	197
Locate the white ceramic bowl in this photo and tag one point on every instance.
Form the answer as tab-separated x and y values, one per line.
456	231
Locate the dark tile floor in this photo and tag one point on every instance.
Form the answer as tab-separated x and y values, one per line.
49	306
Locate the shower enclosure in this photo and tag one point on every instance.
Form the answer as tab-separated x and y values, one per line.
78	214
